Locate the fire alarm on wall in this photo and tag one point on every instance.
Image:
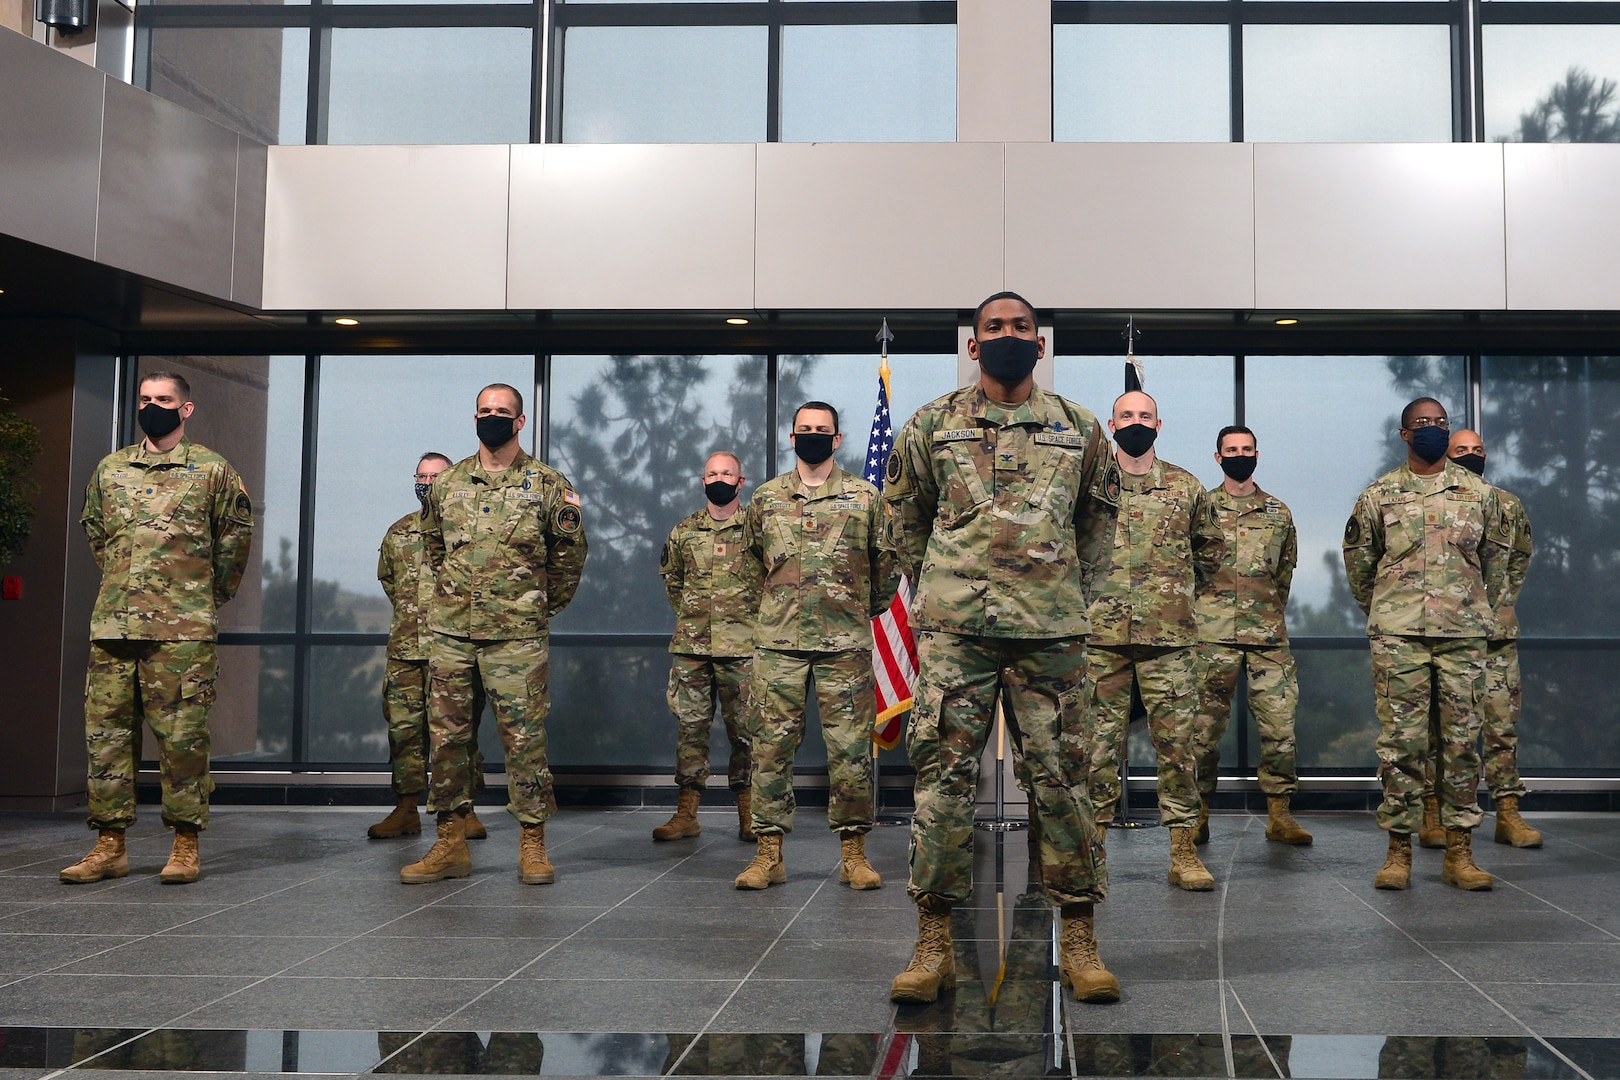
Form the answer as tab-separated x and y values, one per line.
11	588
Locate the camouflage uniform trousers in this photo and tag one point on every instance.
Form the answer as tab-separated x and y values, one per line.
171	685
1499	733
779	691
1406	672
513	675
1043	683
696	685
1168	681
1273	697
405	709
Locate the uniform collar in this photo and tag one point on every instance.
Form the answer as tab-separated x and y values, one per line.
830	486
520	466
1040	410
179	453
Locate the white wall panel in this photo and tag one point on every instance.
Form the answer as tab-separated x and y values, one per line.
1563	227
1392	227
1131	225
386	227
1004	70
632	227
874	225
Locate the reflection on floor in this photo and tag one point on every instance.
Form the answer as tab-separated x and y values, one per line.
299	952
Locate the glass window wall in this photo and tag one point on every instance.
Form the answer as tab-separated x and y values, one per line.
1130	83
894	83
1552	83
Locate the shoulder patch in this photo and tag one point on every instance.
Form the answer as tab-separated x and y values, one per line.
892	473
570	496
244	505
1052	438
1352	532
958	434
567	520
667	559
1113	482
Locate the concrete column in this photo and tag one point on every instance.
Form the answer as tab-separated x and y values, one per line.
1004	71
60	375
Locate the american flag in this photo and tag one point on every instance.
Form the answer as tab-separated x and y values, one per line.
894	649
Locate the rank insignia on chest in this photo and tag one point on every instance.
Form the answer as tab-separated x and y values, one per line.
720	549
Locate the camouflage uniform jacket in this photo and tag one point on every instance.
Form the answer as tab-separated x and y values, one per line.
1244	603
171	533
713	582
407	578
508	548
1426	556
1166	546
1518	563
1003	515
825	574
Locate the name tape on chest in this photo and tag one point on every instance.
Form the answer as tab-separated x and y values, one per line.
958	435
1052	438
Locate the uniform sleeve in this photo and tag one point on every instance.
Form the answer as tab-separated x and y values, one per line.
1208	541
433	529
673	569
1095	513
1363	548
386	571
885	565
565	550
1518	560
910	500
92	521
1287	561
1496	551
233	535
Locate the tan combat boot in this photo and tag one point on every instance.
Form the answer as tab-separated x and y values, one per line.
767	869
1186	871
1280	823
107	859
854	870
1079	966
474	828
534	868
185	863
1510	827
447	858
1202	836
684	822
933	965
745	814
402	820
1430	834
1396	873
1459	868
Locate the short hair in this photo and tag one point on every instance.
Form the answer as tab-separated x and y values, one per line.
514	391
1406	413
712	454
1234	429
432	455
1144	393
819	405
978	312
179	381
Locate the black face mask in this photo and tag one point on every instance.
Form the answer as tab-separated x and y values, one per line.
157	421
1429	443
496	431
1239	466
1008	359
813	447
422	492
719	492
1136	439
1474	463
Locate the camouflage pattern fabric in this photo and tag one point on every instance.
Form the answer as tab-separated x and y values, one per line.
1407	673
1166	547
406	576
779	690
1520	547
1273	696
825	574
171	533
1423	1057
405	684
1046	714
1245	600
697	684
1168	681
508	548
1003	516
713	582
514	675
1499	728
1427	556
171	685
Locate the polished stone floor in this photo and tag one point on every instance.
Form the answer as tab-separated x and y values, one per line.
299	951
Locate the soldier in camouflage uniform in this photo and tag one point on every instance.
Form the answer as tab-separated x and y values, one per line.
713	583
170	525
1426	552
506	538
407	579
1143	630
1001	500
815	531
1243	628
1500	731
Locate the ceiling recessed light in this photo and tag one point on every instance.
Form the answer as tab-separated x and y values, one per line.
735	321
1287	322
346	321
